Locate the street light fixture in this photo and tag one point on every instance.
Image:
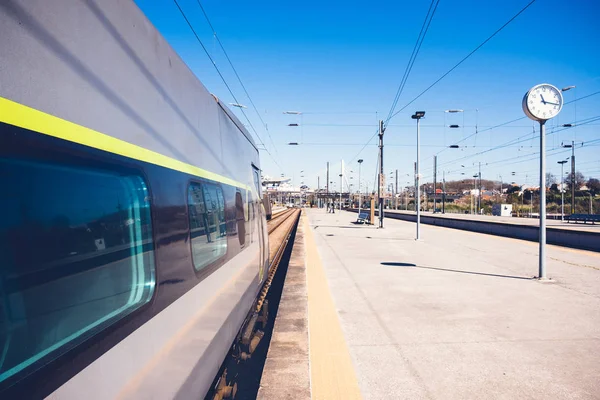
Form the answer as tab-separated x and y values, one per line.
567	125
292	124
454	146
568	88
454	111
292	112
418	115
237	105
293	144
453	126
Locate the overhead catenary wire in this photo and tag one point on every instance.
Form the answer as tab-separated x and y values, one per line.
236	73
450	70
531	156
526	137
413	56
465	58
514	120
223	79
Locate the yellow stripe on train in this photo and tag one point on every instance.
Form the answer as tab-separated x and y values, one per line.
29	118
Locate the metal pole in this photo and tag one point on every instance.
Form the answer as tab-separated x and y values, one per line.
562	191
434	182
573	177
418	184
396	193
381	175
479	197
443	192
359	194
341	181
327	180
542	253
415	183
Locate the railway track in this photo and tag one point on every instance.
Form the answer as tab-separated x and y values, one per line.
239	375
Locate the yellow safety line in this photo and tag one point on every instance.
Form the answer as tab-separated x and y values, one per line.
331	372
29	118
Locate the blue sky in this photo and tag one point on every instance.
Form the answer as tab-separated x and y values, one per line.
340	64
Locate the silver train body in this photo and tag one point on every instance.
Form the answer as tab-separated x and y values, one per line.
133	237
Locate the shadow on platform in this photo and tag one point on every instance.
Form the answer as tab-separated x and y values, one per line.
337	226
400	264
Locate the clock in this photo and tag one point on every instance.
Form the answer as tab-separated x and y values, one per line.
542	102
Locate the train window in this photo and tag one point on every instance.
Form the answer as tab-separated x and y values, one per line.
257	181
76	255
208	226
239	217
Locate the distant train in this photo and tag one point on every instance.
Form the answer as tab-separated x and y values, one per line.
133	237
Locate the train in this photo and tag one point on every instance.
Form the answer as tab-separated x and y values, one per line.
133	238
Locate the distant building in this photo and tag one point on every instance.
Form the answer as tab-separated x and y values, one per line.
502	210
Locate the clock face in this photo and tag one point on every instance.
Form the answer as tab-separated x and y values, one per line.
542	102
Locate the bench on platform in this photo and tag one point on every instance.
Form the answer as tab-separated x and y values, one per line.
583	218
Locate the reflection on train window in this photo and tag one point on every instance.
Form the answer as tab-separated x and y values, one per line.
75	256
247	206
208	227
239	218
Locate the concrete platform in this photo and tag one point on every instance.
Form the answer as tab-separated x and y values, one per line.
457	315
578	236
550	223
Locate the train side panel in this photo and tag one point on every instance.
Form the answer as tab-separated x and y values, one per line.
103	66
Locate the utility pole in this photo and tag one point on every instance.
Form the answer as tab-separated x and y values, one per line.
341	181
434	182
562	189
479	209
443	192
327	180
381	175
573	177
359	189
318	191
396	194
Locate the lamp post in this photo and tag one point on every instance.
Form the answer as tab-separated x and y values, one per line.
418	115
359	193
341	189
562	189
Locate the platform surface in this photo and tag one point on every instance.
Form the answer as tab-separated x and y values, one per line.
457	314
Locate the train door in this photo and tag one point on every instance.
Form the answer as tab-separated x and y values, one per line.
261	222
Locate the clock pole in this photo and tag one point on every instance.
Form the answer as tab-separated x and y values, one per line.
540	108
542	255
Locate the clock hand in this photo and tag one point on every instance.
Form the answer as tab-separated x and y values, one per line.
554	104
542	96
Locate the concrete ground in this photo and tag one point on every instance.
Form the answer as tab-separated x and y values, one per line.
457	315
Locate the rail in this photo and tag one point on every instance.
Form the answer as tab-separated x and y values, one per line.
235	367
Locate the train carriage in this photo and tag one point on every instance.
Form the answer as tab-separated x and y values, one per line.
133	238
